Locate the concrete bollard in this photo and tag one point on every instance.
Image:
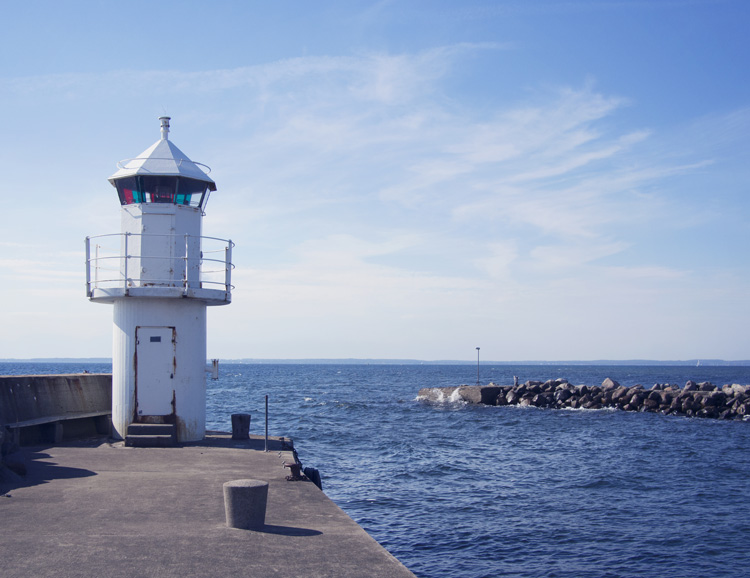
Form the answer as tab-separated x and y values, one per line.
245	503
240	426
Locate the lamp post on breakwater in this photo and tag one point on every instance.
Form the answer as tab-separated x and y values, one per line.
477	366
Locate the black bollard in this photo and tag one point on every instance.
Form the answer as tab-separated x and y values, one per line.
240	426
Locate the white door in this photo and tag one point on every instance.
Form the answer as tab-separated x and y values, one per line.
156	364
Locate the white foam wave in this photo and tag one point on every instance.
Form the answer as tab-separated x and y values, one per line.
438	396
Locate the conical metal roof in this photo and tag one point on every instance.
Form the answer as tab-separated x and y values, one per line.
163	158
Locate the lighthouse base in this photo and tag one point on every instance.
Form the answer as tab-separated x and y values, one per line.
159	365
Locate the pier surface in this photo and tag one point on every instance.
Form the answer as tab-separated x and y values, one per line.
100	509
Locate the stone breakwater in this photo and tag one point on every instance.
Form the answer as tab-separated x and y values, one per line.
694	399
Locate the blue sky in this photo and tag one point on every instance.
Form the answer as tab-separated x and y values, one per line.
545	180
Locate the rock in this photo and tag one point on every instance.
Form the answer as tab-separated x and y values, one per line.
689	405
610	383
651	404
542	400
695	399
715	399
619	393
666	397
736	389
710	411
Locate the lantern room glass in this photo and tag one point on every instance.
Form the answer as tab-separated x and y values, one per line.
162	189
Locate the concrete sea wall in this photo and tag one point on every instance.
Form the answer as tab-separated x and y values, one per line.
694	399
37	408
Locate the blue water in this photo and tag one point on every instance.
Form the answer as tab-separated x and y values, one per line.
454	490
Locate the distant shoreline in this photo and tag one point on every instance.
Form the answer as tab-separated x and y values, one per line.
364	361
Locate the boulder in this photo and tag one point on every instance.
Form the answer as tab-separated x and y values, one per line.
710	412
735	389
715	399
619	393
542	400
690	386
651	404
610	383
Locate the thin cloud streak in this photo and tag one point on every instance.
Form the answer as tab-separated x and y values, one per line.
364	196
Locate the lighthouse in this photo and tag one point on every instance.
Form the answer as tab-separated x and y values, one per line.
160	274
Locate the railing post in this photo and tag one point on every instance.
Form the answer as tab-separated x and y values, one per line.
125	265
187	265
228	266
96	266
88	267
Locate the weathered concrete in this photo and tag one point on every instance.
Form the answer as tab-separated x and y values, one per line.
245	504
28	400
102	509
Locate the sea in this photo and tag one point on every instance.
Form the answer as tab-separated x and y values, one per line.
457	490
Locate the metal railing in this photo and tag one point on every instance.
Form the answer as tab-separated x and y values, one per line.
112	266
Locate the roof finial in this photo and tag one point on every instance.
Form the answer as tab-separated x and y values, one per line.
164	127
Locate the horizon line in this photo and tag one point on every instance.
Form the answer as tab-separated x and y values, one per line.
383	360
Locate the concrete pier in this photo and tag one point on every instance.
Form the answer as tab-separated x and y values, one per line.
97	508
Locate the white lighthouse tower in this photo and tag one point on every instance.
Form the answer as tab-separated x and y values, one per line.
160	274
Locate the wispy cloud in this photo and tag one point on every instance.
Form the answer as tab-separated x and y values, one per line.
362	194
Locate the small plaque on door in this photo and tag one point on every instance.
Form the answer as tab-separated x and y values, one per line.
156	339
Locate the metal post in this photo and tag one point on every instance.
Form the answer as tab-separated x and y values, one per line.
125	268
477	366
88	267
266	447
228	266
185	285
